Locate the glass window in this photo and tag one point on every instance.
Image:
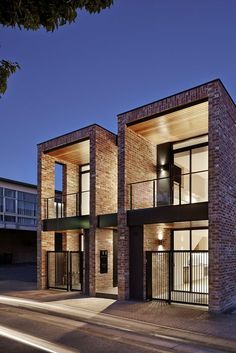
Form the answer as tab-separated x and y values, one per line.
26	196
10	193
181	240
1	204
85	168
199	239
185	189
27	221
85	203
1	191
182	160
26	208
10	219
190	142
199	159
10	205
199	187
85	181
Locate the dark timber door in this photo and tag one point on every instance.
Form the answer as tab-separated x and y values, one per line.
115	246
136	262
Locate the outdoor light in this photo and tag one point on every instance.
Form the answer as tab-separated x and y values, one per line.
159	242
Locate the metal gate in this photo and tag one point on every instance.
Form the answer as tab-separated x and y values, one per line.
177	276
65	270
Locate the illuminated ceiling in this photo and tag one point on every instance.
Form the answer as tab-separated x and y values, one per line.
77	153
175	126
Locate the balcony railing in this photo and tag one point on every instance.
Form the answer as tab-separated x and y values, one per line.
67	205
190	188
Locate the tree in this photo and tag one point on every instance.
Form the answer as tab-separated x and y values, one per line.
34	14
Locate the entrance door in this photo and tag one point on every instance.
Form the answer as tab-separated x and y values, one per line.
65	270
76	270
177	276
115	246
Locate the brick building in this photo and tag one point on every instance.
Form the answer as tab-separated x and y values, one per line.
18	222
152	217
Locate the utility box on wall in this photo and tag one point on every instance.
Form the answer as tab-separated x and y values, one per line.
103	261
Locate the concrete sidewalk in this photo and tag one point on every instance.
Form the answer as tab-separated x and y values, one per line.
194	319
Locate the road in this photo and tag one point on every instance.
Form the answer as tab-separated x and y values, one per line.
37	327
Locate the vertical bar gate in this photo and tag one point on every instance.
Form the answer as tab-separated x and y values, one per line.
177	276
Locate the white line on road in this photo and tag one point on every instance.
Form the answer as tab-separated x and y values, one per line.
34	341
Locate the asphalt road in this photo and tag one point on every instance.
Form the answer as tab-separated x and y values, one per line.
61	335
32	331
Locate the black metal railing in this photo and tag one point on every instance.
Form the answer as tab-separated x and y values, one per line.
178	276
187	188
67	205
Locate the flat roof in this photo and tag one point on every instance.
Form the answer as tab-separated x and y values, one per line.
17	182
71	132
175	94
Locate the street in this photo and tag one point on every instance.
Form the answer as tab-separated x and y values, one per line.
29	326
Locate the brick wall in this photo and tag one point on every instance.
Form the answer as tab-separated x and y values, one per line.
137	161
152	234
106	172
104	241
222	199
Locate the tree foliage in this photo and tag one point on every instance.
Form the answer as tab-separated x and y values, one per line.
6	69
34	14
50	14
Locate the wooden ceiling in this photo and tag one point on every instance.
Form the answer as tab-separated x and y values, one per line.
175	126
77	153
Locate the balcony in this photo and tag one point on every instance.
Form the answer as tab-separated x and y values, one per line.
180	189
67	205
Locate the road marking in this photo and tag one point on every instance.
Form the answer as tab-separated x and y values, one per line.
34	341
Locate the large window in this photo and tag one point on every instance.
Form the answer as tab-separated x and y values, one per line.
84	189
1	199
26	204
18	207
190	260
191	174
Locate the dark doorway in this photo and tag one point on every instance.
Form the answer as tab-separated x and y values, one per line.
115	246
58	241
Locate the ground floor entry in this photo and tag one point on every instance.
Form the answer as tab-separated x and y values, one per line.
177	276
65	270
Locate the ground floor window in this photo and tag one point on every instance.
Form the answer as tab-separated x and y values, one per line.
190	260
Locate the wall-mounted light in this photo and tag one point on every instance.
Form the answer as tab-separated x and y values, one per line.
160	237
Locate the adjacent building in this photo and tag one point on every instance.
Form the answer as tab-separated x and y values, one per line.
150	213
18	222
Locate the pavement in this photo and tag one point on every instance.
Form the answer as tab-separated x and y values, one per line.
172	318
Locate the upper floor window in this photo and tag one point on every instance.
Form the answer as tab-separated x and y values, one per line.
191	174
84	189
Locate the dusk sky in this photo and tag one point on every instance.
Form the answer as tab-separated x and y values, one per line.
135	52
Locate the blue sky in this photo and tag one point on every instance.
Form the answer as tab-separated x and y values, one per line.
136	52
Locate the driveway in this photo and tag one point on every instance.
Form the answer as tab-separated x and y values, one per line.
19	277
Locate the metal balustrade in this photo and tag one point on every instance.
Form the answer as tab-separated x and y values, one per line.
67	205
190	188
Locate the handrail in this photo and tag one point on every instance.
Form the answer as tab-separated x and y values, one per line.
61	195
66	205
182	174
166	190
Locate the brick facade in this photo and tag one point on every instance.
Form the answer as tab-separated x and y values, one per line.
103	193
111	174
222	192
